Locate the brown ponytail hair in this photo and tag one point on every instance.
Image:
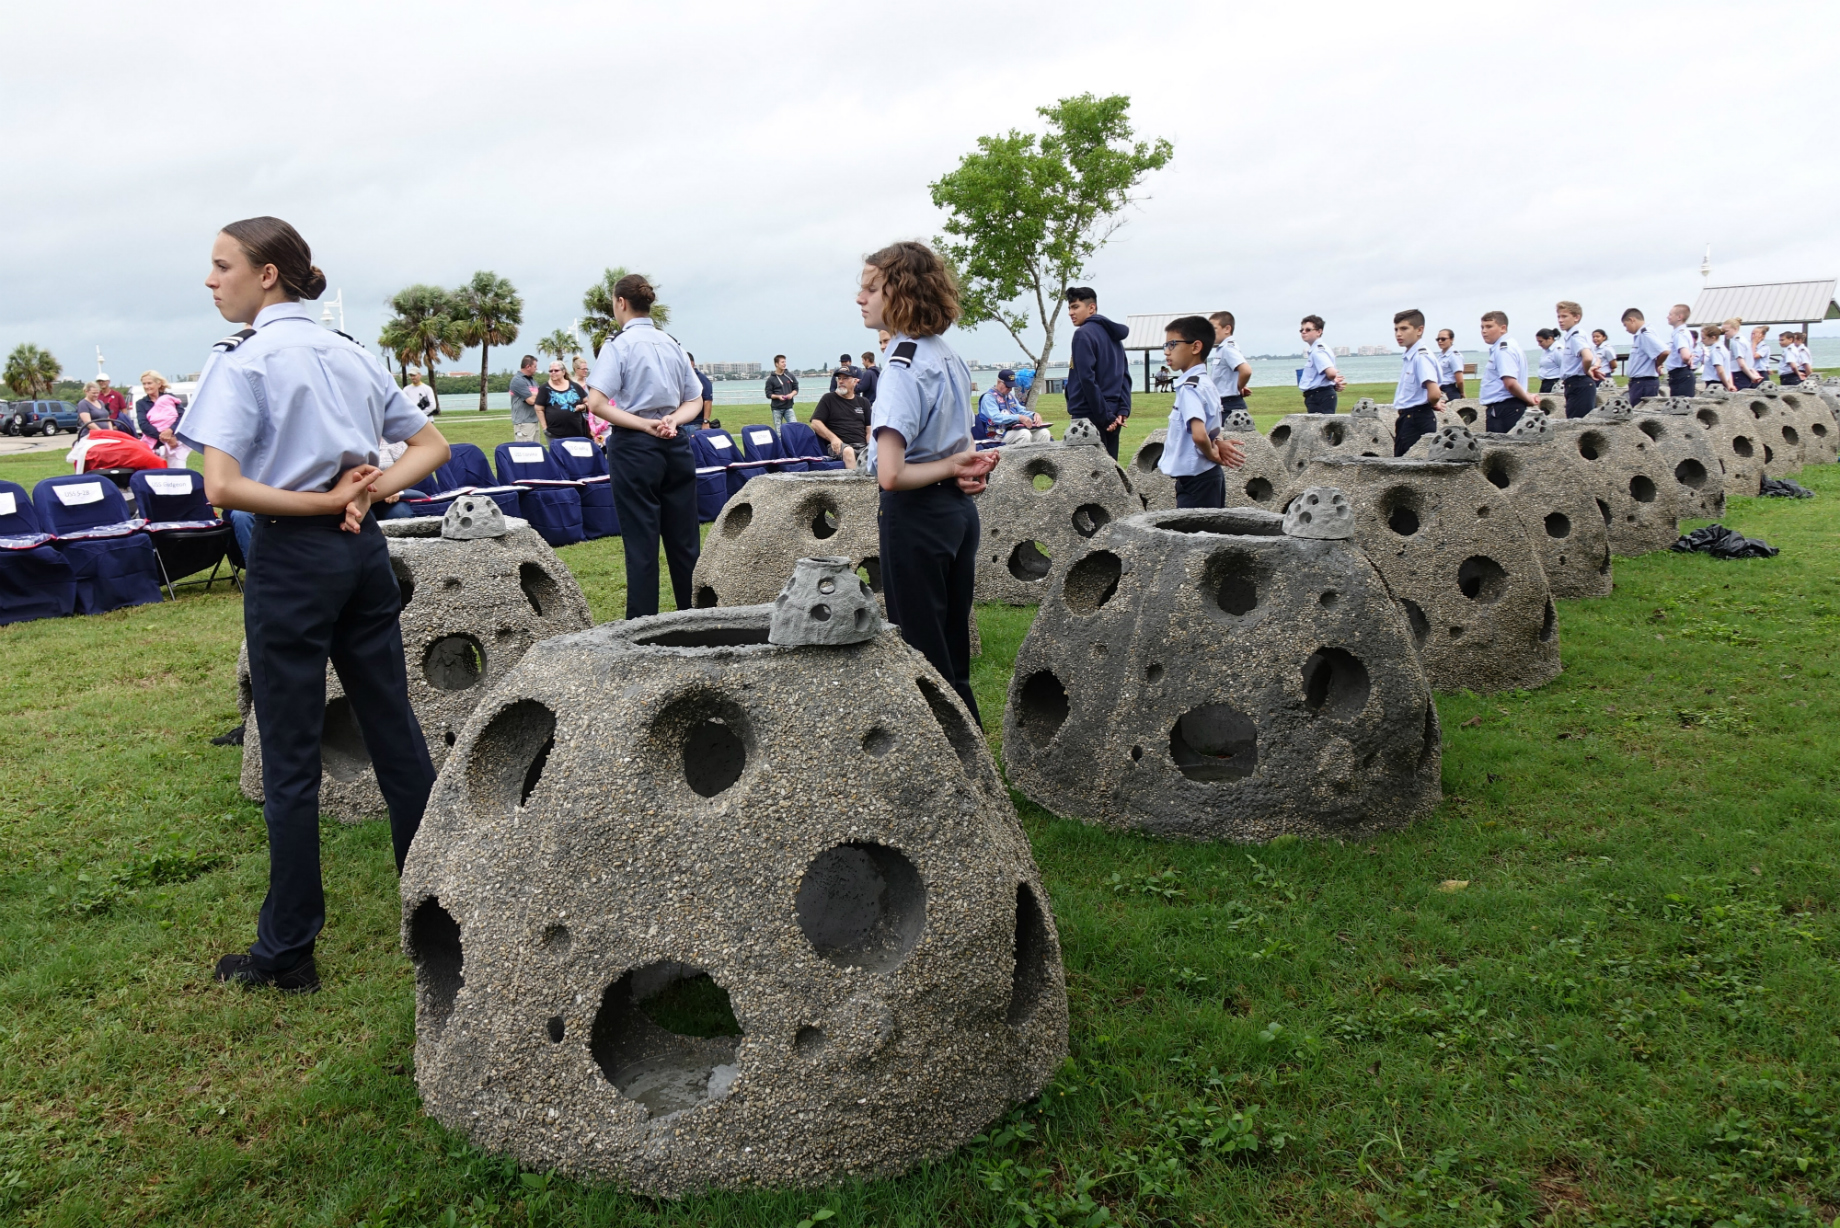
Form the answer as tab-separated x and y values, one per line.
269	240
919	293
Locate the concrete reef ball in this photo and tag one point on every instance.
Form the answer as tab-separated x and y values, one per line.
471	610
689	909
1043	503
1201	674
1301	438
1553	494
1683	451
1820	441
1630	479
1456	553
1258	481
1736	443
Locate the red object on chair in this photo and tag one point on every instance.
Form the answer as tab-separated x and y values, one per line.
119	450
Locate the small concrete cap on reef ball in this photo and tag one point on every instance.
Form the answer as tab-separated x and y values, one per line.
1081	430
1365	408
472	517
1455	443
1617	406
1237	422
1533	424
1321	512
826	603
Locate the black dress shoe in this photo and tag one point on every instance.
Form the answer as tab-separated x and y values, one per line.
240	969
233	737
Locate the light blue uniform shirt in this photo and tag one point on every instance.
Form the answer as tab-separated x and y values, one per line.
1317	361
1223	367
924	396
1765	361
1718	362
1506	361
1572	345
1740	351
645	372
1416	367
1644	353
296	404
1197	398
1606	358
1450	365
1681	339
1550	359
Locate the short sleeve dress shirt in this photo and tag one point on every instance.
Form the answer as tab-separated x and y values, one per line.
1223	367
1680	340
1317	361
924	396
1506	361
1572	347
1644	354
645	372
1550	360
1197	399
1450	365
296	404
1717	363
1416	367
1606	358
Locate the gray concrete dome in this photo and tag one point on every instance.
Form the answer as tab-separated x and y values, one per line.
1560	513
1820	440
471	610
1631	480
1685	454
1200	674
1043	503
1301	438
689	909
777	519
1735	442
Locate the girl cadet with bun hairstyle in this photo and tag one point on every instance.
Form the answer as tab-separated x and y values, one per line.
288	415
921	453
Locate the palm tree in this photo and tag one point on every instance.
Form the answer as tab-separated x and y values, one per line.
422	330
599	323
559	345
32	370
487	311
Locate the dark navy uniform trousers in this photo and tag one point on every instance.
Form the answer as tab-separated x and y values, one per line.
315	592
1642	387
929	567
1580	395
654	494
1411	425
1319	400
1205	489
1499	418
1682	382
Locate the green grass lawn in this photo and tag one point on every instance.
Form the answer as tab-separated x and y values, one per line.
1626	1015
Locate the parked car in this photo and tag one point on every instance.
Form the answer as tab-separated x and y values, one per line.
39	418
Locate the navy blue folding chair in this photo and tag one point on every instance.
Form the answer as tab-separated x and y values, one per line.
187	534
760	443
800	442
466	470
112	561
713	451
551	502
581	460
35	577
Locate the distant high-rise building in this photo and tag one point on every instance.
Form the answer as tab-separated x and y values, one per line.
743	369
1340	351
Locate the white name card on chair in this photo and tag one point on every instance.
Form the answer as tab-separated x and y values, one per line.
761	439
79	493
578	447
529	454
719	443
169	484
8	504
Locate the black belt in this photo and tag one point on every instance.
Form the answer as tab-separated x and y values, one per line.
309	522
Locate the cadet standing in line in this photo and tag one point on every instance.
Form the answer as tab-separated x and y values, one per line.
1417	396
1787	374
1550	357
1319	379
1227	367
1504	376
1577	361
1680	364
1606	357
1644	354
1716	360
1743	363
921	454
1450	365
647	375
1760	353
1194	449
288	416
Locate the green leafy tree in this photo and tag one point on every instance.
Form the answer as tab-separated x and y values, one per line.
561	344
422	330
486	312
32	371
598	324
1026	212
394	338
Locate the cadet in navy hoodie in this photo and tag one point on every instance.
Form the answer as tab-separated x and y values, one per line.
1099	377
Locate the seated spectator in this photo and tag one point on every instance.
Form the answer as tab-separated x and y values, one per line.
559	405
90	410
597	427
1005	413
842	419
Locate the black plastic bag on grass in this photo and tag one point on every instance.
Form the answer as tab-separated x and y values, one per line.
1784	488
1721	543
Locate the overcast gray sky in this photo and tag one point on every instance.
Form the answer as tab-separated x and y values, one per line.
1349	159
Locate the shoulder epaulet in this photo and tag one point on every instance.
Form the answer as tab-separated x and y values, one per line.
904	354
233	340
1191	380
341	332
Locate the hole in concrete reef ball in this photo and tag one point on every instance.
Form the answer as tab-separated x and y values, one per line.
827	586
1033	974
877	742
824	522
1400	507
1030	561
1603	510
1415	619
342	753
1497	471
1233	521
862	615
1652	429
713	756
1231	580
1335	684
508	757
736	519
1558	524
1642	489
1482	513
1481	579
1759	410
1153	674
1549	626
1467	414
1769	454
1334	433
1041	473
808	1041
1041	707
448	737
1591	445
870	572
1707	417
440	963
1328	600
1137	753
1790	437
454	663
555	1029
706	637
1741	444
1258	490
1089	518
556	940
706	598
1214	742
966	741
1280	435
862	905
665	1035
821	612
1820	432
1149	456
540	589
1092	581
405	579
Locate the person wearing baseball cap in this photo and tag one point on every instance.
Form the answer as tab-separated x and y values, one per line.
1006	415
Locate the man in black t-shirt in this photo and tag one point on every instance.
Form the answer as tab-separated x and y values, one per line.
842	419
